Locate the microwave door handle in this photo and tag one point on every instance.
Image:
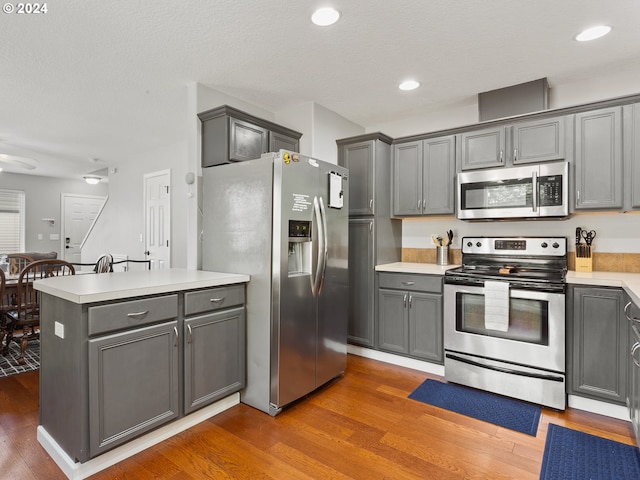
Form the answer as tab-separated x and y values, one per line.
534	185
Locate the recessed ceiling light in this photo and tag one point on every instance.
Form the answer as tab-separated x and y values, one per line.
409	85
325	16
593	33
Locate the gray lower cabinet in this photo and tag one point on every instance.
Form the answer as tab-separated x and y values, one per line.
125	369
599	344
598	159
214	357
410	315
361	282
424	177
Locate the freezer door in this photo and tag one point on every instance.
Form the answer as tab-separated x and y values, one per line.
296	257
333	300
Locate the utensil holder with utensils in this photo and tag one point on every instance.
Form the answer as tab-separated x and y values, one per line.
583	253
442	247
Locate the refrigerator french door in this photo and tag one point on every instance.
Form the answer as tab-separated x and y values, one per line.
283	219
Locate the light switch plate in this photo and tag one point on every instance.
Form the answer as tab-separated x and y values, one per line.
59	329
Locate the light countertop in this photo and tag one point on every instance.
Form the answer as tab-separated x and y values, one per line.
630	282
101	287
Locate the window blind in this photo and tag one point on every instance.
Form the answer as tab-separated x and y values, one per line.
12	223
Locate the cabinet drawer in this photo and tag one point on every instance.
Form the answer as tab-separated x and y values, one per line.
213	299
135	313
423	283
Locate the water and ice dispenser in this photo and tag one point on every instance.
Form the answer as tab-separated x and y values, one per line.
299	247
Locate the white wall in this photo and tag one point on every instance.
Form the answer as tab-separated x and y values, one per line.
118	229
42	200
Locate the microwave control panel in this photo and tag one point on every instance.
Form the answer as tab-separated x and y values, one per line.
550	188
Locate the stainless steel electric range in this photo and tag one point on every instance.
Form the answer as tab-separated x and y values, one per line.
504	318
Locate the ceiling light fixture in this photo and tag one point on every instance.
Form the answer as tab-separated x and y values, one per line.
91	180
409	85
593	33
324	17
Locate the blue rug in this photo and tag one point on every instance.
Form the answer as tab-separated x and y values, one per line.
569	455
505	412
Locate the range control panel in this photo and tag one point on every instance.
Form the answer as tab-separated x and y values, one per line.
554	246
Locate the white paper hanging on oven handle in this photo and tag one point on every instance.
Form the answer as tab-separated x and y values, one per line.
496	306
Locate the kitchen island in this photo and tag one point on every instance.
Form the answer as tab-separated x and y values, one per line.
131	358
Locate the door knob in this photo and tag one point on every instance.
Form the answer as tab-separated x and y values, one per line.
147	252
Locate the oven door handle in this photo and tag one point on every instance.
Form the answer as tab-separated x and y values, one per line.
553	378
534	186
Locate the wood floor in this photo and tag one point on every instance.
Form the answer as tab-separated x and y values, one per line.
361	426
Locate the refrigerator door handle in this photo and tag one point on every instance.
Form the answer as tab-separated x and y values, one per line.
324	246
316	282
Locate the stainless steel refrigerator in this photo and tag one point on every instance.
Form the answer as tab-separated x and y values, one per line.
283	219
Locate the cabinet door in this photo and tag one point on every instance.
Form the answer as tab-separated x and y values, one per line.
482	148
425	326
598	162
631	156
407	179
279	141
359	158
393	320
214	357
247	141
438	175
539	141
600	344
134	384
361	282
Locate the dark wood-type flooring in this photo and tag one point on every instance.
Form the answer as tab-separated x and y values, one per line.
361	426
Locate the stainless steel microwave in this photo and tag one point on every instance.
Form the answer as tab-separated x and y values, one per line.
537	190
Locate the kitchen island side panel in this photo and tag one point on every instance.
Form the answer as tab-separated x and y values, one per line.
64	376
237	237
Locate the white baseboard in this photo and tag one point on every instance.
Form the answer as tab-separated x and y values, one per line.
594	406
397	360
78	471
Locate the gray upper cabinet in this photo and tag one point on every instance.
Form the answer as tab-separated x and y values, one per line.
483	148
359	159
631	136
539	140
599	345
231	135
424	176
598	159
518	143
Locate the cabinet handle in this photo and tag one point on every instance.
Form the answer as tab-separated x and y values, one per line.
370	227
577	194
410	300
216	300
633	353
501	156
175	329
190	333
137	314
371	204
419	203
405	282
628	315
405	300
515	155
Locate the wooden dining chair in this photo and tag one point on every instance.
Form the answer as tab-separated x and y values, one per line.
17	262
5	305
104	264
26	315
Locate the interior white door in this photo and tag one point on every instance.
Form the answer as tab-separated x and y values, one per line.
79	212
157	213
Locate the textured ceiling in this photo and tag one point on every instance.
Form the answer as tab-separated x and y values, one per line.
107	79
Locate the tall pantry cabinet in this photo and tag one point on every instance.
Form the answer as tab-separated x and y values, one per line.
374	238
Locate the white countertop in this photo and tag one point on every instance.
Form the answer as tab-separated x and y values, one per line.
630	282
411	267
100	287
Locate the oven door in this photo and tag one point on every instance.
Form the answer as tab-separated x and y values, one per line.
535	336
